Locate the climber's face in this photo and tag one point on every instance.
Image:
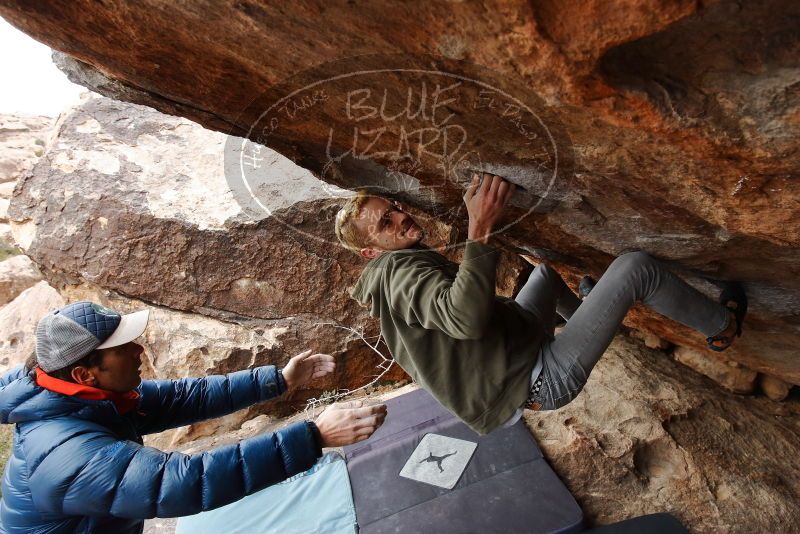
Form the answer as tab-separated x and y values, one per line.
387	227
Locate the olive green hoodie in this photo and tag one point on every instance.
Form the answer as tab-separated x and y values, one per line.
444	325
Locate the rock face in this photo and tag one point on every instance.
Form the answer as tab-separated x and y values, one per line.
135	201
774	388
668	127
647	435
16	275
23	296
18	323
732	377
22	141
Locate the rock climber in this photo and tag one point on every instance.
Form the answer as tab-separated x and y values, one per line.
486	357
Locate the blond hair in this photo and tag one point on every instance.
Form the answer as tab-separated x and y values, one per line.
346	231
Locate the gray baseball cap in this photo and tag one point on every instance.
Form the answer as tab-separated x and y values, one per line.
66	335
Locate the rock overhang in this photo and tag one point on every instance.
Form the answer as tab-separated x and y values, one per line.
682	136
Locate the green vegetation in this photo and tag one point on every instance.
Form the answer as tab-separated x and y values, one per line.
6	431
328	397
6	251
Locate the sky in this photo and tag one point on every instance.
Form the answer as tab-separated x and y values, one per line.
32	84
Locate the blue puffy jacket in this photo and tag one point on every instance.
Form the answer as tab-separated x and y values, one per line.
80	466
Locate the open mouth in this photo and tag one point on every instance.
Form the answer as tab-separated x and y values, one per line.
407	225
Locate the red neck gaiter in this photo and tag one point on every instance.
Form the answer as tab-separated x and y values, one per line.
125	402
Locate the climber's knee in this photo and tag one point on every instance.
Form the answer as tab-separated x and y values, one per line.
632	261
545	271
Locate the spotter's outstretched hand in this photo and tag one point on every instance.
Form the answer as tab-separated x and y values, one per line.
305	367
349	422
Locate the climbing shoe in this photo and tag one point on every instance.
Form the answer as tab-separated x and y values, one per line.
585	286
732	297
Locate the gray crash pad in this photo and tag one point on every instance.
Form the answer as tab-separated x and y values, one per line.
504	485
661	523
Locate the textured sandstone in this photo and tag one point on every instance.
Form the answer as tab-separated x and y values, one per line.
774	388
22	141
733	378
648	435
676	123
651	341
16	275
6	189
137	202
683	119
18	321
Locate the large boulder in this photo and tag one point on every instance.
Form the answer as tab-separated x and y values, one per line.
668	126
136	201
18	321
16	275
22	141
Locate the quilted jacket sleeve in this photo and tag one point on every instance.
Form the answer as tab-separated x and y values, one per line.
169	404
94	474
11	375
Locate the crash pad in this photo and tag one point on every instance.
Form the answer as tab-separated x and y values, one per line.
499	482
315	501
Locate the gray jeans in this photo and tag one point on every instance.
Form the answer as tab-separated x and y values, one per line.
569	357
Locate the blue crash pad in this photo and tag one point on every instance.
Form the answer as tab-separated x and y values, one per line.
315	501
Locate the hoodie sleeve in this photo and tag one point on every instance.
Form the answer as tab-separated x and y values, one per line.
461	307
94	474
169	404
